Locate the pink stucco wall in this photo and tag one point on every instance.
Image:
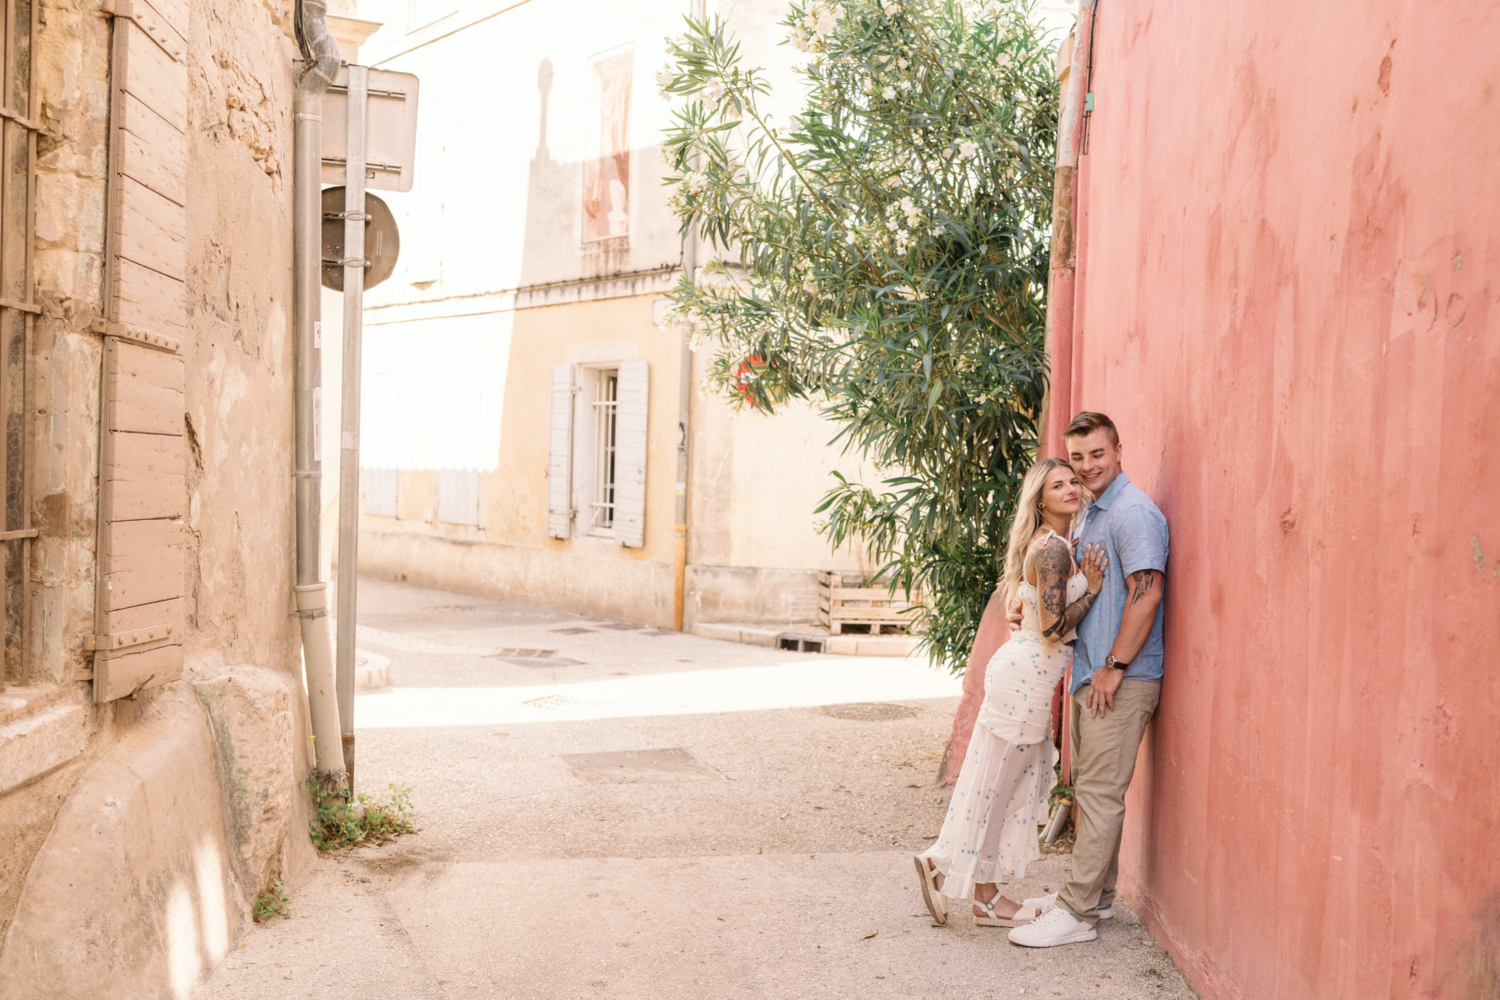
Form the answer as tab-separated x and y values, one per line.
1289	306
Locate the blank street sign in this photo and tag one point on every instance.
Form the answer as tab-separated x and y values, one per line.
391	132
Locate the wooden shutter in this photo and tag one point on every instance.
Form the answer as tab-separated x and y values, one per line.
560	453
630	453
138	617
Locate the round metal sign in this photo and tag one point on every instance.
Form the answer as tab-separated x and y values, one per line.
382	241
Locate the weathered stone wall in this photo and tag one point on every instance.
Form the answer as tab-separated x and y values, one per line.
231	732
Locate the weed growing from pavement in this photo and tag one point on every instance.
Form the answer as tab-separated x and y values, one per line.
274	902
365	822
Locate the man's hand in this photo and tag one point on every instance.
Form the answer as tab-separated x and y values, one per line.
1013	616
1102	688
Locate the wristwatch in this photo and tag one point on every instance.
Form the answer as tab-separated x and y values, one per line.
1120	665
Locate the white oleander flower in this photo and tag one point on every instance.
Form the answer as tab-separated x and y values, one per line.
664	77
902	63
968	150
827	21
890	10
888	93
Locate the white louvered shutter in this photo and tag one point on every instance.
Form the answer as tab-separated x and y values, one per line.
560	453
630	454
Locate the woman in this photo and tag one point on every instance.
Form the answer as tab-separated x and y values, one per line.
1002	790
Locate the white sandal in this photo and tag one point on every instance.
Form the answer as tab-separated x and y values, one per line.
937	903
991	920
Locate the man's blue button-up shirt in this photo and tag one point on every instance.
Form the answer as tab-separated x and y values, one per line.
1133	534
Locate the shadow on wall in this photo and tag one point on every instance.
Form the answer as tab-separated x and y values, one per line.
1479	957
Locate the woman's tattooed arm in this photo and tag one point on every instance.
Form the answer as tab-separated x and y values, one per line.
1054	565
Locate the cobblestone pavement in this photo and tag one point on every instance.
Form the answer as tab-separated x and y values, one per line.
610	811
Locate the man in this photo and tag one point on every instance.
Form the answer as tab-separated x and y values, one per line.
1117	670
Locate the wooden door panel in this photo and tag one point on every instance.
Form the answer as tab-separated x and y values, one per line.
152	230
145	391
149	299
117	675
147	476
143	562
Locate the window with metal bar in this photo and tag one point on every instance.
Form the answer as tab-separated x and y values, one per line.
18	139
606	420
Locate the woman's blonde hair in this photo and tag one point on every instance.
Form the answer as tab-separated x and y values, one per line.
1028	518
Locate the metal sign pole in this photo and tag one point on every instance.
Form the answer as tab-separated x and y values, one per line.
354	289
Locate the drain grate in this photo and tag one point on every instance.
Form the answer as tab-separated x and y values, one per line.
528	654
622	626
869	711
800	643
572	631
541	662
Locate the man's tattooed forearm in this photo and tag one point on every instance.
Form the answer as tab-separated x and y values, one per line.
1142	581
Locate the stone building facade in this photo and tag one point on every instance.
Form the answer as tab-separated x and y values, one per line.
520	415
147	786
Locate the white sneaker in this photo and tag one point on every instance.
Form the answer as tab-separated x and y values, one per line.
1054	927
1036	904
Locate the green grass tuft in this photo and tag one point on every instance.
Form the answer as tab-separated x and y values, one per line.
274	902
365	822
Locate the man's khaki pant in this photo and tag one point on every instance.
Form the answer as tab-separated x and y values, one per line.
1104	753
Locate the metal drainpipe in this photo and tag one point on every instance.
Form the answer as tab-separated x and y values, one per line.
684	415
321	63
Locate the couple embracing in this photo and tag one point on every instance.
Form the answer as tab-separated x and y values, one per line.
1084	566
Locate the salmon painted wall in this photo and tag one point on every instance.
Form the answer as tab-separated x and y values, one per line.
1289	306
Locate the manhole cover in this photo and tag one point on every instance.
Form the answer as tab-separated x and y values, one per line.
556	702
869	711
628	766
572	631
539	662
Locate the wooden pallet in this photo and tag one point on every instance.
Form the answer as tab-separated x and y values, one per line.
840	604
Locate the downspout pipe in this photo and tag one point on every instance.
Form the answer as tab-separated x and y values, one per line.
1064	256
320	54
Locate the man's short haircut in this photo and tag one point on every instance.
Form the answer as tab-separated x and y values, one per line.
1088	422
